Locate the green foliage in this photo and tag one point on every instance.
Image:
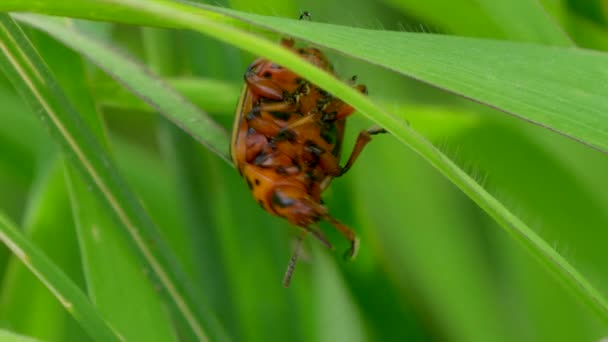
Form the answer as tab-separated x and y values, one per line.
149	234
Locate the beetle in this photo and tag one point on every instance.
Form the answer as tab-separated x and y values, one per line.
287	142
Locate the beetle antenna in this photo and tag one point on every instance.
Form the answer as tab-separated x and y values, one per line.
291	266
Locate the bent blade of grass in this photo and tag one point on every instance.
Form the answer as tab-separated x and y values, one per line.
28	73
68	294
185	16
532	82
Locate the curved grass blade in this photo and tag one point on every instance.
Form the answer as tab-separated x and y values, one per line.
532	82
68	294
535	83
27	71
182	15
141	81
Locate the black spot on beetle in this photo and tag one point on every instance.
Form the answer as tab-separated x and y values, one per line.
253	113
311	177
281	115
249	183
257	182
281	170
311	147
329	117
285	134
267	74
260	159
329	133
281	201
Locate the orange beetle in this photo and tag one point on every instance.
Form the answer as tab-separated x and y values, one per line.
286	143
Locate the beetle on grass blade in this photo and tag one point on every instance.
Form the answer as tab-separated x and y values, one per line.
287	141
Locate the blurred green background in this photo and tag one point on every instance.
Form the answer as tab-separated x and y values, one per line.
432	266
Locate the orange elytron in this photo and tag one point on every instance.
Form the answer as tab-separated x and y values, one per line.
287	140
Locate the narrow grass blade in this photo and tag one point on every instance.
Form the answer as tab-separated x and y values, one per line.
141	81
104	249
68	294
219	95
26	305
27	71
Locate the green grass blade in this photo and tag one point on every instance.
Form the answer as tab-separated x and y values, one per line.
68	294
9	336
532	82
105	250
26	305
180	15
535	83
141	81
521	20
27	71
219	95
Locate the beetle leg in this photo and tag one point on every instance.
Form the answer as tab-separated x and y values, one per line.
350	253
263	87
304	120
362	140
264	126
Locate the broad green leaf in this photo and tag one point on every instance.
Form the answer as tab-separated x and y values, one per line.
519	20
66	292
474	72
31	77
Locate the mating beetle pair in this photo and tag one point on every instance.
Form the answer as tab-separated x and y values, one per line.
287	141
